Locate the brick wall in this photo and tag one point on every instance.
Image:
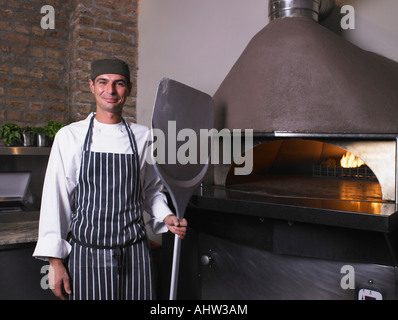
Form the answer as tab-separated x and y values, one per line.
100	29
43	73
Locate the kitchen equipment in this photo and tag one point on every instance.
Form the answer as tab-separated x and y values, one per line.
13	189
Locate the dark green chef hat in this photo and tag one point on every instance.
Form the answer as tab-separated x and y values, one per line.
110	66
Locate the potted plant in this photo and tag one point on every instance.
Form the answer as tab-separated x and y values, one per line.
11	134
52	128
41	138
28	135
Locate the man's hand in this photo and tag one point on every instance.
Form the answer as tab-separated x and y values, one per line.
58	278
176	226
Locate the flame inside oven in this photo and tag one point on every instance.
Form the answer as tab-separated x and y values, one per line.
349	160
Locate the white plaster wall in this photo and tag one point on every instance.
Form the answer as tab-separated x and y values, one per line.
192	41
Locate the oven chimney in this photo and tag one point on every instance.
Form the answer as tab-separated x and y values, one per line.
296	75
299	8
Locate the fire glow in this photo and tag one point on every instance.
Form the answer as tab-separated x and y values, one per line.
350	161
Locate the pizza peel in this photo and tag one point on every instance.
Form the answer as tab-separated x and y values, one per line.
180	112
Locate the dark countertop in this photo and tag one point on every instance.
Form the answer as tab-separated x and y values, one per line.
18	228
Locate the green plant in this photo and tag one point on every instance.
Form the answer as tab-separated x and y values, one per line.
26	129
52	128
38	130
11	134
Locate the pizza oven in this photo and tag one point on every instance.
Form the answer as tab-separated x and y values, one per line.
317	216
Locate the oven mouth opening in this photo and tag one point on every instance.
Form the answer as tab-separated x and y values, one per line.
308	172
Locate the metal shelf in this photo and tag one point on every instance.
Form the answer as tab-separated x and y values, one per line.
25	151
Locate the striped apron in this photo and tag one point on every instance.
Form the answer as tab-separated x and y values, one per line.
110	256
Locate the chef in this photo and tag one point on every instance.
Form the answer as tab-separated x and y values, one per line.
96	188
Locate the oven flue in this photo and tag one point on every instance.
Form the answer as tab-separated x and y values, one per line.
296	75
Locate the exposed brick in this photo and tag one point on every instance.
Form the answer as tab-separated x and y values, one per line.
85	21
132	30
109	47
38	31
15	104
92	55
124	18
85	43
114	5
56	33
28	6
22	93
5	26
3	80
36	52
3	68
44	117
84	97
109	25
50	65
46	43
36	73
53	96
6	13
13	115
19	49
29	116
21	28
51	53
25	16
85	108
44	73
57	107
122	38
36	105
13	37
21	82
5	48
13	3
92	33
52	76
46	85
18	71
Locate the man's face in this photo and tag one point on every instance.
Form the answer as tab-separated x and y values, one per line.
110	92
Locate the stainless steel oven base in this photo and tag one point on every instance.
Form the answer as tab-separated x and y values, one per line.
239	272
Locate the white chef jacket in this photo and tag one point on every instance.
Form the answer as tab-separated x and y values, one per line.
63	172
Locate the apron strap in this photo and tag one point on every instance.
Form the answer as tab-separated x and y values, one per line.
95	246
131	137
87	140
133	144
